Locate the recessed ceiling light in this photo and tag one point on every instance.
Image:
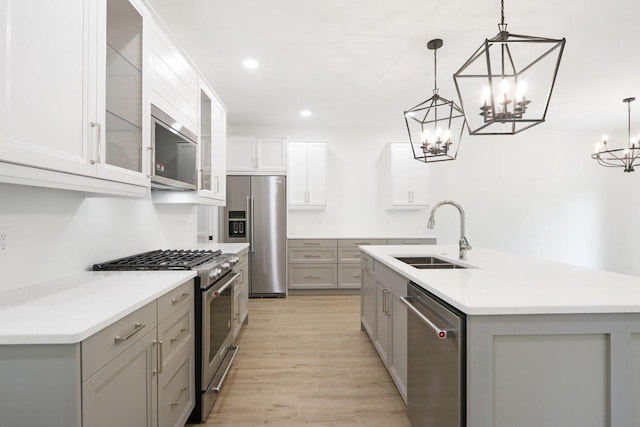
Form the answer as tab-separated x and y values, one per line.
305	113
250	64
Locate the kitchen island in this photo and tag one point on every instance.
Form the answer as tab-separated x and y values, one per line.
546	344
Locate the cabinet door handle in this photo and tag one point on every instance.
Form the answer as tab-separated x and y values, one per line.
159	359
357	276
217	184
313	256
311	276
201	186
176	402
180	298
179	336
137	327
98	158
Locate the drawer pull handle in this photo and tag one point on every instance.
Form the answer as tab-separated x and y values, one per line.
357	256
356	276
180	298
311	276
312	243
312	256
176	403
136	328
179	336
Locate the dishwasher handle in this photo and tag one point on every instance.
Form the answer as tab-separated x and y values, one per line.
440	333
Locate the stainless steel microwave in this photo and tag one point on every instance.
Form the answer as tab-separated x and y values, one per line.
173	153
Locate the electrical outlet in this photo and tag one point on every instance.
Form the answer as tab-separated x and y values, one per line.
4	241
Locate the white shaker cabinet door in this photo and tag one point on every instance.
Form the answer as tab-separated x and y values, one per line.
407	177
271	154
241	154
317	173
44	82
297	174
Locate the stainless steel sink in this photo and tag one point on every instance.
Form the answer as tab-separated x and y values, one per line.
428	262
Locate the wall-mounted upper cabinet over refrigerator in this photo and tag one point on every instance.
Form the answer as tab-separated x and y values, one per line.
256	214
307	175
72	95
257	156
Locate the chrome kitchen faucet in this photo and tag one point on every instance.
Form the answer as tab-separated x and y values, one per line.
463	243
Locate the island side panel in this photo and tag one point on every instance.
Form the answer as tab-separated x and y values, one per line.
40	385
535	370
635	358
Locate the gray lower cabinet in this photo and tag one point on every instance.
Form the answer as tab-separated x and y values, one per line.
384	317
151	381
241	293
137	372
124	392
312	263
333	263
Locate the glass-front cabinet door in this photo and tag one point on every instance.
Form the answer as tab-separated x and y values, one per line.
123	122
205	142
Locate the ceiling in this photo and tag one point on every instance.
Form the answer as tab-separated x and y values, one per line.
361	63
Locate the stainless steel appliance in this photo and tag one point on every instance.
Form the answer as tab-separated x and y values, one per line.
173	153
214	304
436	389
256	214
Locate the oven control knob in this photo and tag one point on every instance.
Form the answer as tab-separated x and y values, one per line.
225	265
234	260
214	273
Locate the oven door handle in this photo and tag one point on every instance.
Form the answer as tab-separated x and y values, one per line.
216	294
217	388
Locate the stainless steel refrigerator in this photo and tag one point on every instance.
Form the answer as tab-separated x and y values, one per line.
256	213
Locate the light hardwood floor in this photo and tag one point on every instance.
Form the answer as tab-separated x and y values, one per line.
304	361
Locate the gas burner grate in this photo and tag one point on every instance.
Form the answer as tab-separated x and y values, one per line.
160	260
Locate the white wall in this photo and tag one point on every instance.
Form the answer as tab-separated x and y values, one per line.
56	232
537	193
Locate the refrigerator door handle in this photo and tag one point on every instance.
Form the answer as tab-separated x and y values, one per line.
251	221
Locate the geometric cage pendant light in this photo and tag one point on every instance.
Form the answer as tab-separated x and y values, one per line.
496	83
626	157
435	126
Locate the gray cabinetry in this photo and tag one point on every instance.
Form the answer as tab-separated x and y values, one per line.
138	371
124	391
145	366
384	317
349	273
312	263
241	293
333	263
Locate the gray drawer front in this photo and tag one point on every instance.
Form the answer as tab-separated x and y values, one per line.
354	243
312	243
312	255
408	241
349	255
101	347
310	276
176	332
172	301
349	276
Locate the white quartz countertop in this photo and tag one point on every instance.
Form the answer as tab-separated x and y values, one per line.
504	284
68	310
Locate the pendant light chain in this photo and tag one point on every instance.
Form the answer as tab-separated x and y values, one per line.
502	11
435	71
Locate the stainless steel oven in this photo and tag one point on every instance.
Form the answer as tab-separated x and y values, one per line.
218	350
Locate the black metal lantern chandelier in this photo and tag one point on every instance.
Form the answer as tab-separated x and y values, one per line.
493	83
625	158
432	123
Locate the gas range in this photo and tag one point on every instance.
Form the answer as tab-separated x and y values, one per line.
211	265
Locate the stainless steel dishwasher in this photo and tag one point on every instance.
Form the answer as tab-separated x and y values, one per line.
436	390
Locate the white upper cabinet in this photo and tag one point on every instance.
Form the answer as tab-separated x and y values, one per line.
261	155
407	178
307	174
173	80
54	127
213	145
